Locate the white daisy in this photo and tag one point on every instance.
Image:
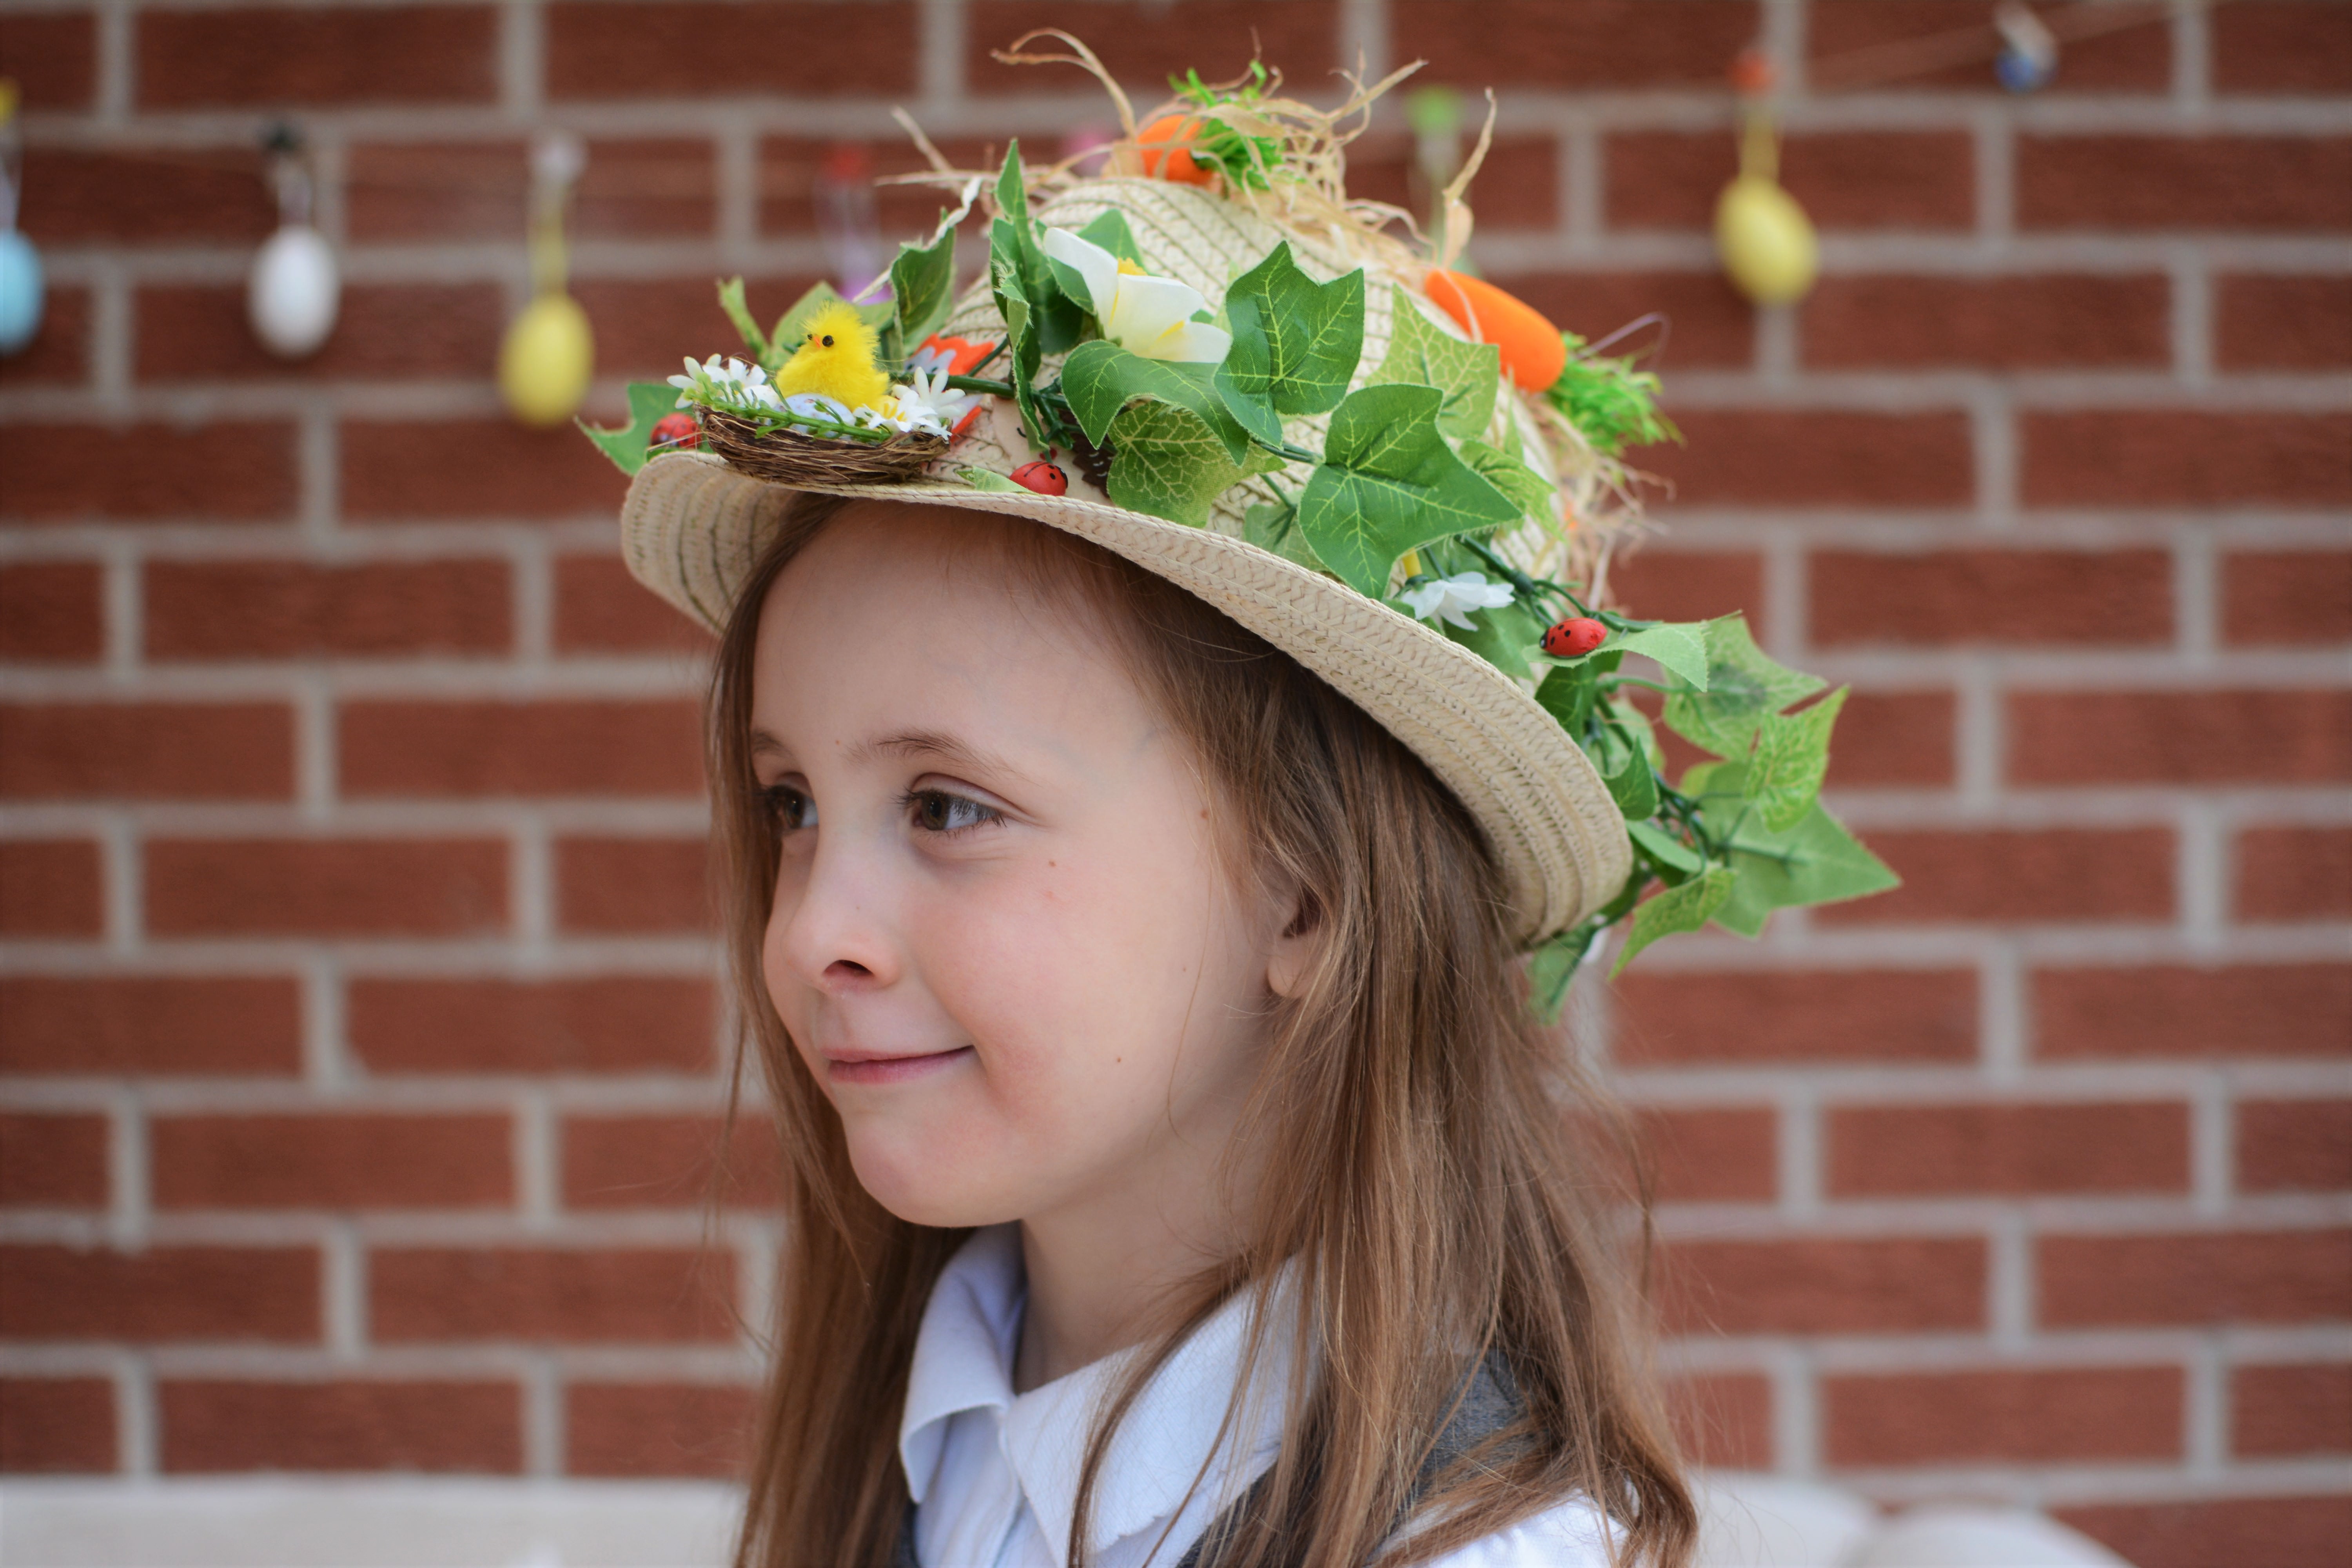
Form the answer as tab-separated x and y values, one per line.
928	390
1449	599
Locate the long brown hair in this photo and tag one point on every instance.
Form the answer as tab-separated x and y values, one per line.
1427	1163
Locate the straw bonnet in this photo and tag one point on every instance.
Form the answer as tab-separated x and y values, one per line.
694	521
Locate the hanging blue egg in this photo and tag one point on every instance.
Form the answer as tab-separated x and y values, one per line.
21	291
2028	49
2020	72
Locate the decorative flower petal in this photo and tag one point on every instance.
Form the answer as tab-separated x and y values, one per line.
1097	267
1450	599
1192	343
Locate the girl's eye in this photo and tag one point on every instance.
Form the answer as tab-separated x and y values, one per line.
938	812
792	810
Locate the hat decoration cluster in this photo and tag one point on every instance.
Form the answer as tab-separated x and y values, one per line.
1422	497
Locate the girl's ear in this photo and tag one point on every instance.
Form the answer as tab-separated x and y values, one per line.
1294	950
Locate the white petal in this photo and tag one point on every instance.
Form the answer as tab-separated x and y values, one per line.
1097	267
1148	309
1194	343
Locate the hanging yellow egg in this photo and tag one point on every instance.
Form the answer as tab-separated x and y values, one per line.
1766	241
546	360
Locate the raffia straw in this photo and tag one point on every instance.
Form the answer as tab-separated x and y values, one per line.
1081	56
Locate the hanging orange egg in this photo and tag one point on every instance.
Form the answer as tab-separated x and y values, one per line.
1534	354
1166	146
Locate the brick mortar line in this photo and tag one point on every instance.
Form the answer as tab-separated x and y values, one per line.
404	1362
1845	1356
1984	1218
564	1098
1864	1351
266	963
486	1229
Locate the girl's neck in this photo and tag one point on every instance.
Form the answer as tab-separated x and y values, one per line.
1100	1278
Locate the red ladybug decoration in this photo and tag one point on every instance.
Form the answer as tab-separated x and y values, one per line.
675	433
1574	638
1042	477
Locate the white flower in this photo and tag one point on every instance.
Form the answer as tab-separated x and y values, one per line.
725	384
928	391
1448	598
1142	314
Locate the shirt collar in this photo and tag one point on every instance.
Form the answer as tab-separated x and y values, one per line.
963	1361
963	1352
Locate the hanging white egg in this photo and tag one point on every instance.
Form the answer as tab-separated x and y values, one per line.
21	291
294	291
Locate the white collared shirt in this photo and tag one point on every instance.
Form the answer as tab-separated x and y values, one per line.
994	1474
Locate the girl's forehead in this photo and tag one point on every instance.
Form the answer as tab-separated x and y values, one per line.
982	574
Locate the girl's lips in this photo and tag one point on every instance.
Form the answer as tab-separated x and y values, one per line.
889	1069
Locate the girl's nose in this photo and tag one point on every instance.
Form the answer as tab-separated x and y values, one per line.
829	931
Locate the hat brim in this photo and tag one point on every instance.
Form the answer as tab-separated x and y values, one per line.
691	529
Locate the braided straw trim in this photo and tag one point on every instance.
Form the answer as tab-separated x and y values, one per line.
691	528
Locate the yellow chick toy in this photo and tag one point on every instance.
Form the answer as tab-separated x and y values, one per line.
837	360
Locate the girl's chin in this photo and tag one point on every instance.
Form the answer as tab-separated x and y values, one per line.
913	1178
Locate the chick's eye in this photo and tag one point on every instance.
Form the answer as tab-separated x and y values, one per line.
791	809
938	812
828	341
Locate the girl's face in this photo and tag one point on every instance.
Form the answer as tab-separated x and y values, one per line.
1004	938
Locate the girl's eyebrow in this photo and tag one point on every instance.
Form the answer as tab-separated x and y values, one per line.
936	746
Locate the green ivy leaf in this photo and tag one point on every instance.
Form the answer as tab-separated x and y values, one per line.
1020	342
1306	339
1057	318
1552	967
1568	693
1682	909
649	401
1109	230
1510	475
1793	758
1679	647
1634	724
1274	526
988	479
1817	861
1502	637
1743	688
1101	378
1421	355
1389	482
922	285
730	300
1634	786
1169	463
1665	851
1243	380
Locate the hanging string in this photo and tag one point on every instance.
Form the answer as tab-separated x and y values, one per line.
1882	63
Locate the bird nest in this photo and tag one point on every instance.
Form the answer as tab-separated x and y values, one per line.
787	457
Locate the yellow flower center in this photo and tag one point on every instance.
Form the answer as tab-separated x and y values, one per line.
1130	269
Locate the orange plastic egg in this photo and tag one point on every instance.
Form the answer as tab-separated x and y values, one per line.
1533	352
1166	145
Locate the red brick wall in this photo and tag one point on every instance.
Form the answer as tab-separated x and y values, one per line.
358	1061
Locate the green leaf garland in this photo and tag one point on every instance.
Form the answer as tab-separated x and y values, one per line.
1389	482
1421	354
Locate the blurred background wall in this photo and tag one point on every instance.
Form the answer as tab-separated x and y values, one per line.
358	1060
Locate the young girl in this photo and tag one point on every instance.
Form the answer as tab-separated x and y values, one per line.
1130	875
